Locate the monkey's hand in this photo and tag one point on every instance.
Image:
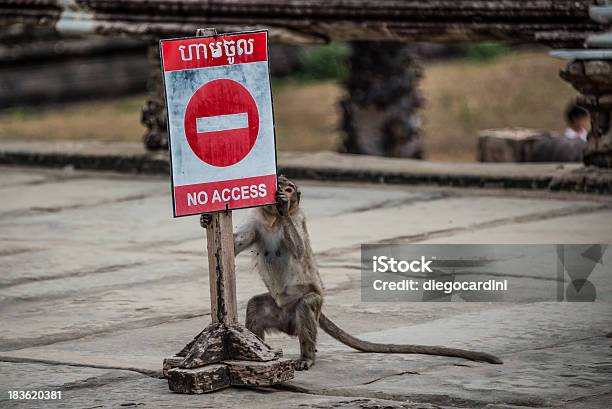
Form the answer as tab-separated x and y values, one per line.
282	203
205	220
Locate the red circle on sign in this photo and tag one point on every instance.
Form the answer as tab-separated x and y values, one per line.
221	122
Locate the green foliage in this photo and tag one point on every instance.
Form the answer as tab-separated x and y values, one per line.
324	62
486	50
20	112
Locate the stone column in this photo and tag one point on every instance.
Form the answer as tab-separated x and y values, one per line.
593	79
154	110
380	113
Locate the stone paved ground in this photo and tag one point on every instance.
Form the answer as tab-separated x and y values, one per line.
98	284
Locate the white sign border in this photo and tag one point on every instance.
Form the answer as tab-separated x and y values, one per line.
163	71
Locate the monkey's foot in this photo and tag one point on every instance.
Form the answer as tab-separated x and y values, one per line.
303	364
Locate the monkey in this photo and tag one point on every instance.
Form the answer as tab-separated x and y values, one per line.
293	303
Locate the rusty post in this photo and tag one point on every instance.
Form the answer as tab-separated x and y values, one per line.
220	245
222	271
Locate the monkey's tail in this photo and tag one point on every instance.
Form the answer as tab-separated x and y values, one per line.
365	346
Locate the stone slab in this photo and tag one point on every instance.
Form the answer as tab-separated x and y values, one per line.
595	227
112	285
426	218
95	388
32	376
320	166
49	197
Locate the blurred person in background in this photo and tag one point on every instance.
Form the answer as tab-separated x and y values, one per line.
568	148
578	121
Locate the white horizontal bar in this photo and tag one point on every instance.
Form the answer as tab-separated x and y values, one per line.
583	54
222	122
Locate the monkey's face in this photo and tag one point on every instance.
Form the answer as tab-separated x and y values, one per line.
290	193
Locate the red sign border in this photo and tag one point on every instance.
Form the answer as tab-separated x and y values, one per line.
161	57
171	62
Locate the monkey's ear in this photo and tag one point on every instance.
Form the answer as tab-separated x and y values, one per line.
299	195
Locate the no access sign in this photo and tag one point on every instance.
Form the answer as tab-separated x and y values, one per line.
220	122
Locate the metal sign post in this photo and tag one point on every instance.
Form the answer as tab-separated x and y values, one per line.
225	353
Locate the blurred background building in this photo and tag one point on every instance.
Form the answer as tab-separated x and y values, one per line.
488	68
